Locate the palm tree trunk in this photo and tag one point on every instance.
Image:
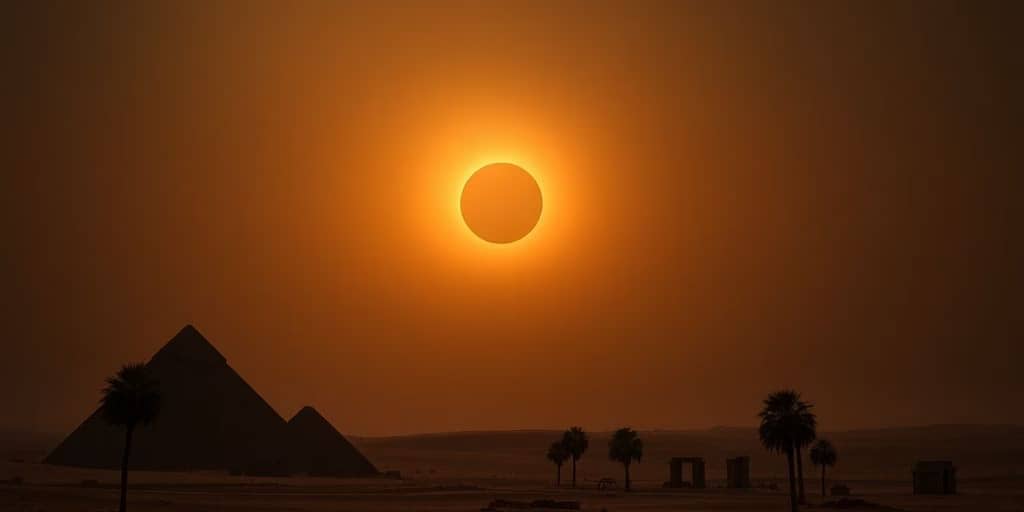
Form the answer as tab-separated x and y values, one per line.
822	481
792	480
124	467
558	479
800	474
627	476
574	472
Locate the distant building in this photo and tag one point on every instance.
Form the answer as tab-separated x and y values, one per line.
675	472
934	477
737	473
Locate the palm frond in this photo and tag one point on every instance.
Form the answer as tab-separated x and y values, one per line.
786	421
823	453
131	397
576	442
625	446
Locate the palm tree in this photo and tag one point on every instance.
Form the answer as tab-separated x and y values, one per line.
804	435
784	421
625	446
576	442
823	454
131	398
558	455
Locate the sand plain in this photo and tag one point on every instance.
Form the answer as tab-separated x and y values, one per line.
466	471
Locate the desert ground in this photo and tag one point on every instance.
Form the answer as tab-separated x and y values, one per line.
467	471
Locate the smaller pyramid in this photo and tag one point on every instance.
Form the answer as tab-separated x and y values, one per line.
320	450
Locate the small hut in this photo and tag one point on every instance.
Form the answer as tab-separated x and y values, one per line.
934	477
737	472
675	466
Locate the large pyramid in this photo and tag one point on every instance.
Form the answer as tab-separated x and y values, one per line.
321	450
210	419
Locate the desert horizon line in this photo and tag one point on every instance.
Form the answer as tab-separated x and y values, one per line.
600	431
190	330
682	429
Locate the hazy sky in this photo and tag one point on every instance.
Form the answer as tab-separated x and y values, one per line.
738	197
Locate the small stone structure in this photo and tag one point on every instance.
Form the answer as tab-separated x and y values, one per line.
737	472
675	472
934	477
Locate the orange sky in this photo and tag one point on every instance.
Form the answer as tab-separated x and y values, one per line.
738	196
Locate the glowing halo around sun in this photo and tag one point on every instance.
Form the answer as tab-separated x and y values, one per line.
501	203
455	152
457	238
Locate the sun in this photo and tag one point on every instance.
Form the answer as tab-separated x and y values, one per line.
501	203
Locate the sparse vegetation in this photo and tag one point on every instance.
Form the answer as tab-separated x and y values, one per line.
131	398
802	438
624	447
785	421
823	454
576	442
558	454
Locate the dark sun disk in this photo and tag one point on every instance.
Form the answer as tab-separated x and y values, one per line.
501	203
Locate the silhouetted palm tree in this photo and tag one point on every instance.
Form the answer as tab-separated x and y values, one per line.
576	442
625	446
804	436
785	420
131	398
558	455
823	454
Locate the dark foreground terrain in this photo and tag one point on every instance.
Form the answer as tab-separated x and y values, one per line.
467	471
312	495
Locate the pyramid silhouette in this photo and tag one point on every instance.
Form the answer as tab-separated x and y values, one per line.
210	419
320	450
